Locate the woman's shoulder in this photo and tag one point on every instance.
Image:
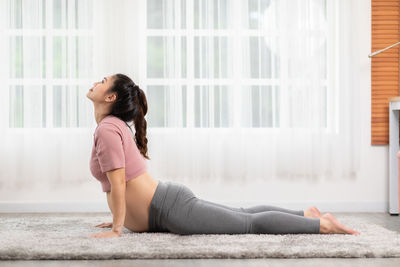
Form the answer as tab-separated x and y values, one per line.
112	119
111	122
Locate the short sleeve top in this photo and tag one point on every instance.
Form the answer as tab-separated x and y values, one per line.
114	147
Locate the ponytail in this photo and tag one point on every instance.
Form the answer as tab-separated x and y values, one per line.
140	122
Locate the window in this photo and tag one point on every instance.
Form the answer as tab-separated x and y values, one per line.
50	59
223	64
209	63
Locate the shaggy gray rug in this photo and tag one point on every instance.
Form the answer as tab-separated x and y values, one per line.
65	236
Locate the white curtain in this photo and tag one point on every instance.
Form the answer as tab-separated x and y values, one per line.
269	92
237	90
46	120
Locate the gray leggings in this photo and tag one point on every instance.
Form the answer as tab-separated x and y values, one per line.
174	208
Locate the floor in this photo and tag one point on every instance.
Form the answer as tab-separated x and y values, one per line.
384	219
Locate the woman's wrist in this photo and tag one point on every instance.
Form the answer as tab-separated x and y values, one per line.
117	230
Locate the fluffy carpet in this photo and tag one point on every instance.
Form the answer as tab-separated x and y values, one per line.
65	236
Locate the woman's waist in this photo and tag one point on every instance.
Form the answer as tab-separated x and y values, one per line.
142	183
140	190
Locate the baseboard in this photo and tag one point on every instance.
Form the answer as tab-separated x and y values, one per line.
101	206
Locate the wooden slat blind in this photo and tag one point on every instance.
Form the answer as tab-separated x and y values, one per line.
385	17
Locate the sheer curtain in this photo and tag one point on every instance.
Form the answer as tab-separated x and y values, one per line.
237	90
46	120
256	89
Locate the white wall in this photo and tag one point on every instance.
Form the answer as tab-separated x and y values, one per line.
367	193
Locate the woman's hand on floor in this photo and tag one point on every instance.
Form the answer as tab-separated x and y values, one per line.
105	225
105	234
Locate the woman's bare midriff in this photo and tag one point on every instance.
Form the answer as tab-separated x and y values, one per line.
139	193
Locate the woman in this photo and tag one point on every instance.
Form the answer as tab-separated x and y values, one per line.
143	204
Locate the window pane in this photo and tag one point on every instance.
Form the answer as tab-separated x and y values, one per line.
211	14
222	111
72	14
264	106
183	12
184	106
27	14
16	104
157	113
83	110
263	14
155	57
27	56
154	14
266	119
255	104
27	106
58	107
33	105
184	57
211	57
265	58
72	56
163	55
261	63
166	14
65	105
83	14
201	114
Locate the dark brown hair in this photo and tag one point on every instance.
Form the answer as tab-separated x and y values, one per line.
131	105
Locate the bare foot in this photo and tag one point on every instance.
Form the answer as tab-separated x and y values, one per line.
312	212
329	225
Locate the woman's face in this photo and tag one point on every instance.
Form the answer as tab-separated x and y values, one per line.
98	92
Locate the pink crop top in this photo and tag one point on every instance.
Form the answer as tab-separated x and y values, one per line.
114	147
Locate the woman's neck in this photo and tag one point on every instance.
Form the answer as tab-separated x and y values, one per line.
100	113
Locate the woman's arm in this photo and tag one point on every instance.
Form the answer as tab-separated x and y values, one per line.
109	201
118	204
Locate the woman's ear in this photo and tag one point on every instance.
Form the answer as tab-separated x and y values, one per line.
111	97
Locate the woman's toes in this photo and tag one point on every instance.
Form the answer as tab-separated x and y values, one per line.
312	212
317	211
338	228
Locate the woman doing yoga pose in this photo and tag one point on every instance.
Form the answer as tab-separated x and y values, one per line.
143	204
